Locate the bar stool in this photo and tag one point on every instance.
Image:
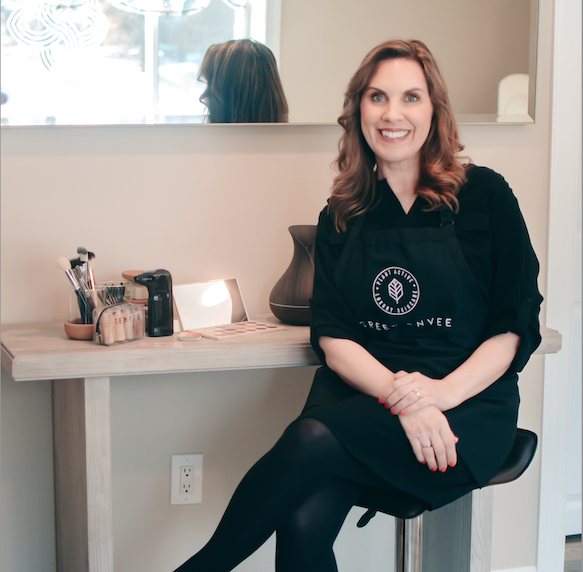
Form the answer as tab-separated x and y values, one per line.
408	512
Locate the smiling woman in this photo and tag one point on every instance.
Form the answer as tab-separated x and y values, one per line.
395	117
421	327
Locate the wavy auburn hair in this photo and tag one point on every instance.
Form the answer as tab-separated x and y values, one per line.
442	171
243	84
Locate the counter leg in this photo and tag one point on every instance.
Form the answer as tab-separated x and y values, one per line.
82	467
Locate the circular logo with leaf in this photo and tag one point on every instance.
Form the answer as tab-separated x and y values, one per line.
395	291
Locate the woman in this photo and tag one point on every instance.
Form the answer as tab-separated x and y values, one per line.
425	307
243	84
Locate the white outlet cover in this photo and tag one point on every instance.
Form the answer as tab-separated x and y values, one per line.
189	460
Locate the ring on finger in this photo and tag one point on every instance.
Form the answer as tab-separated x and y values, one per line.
416	391
427	446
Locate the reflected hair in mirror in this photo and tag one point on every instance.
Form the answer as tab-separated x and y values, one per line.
442	171
243	84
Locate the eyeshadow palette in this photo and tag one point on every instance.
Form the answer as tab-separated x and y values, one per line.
229	331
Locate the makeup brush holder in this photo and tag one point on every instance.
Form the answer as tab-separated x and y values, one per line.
113	291
79	325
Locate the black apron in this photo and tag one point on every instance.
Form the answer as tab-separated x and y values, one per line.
413	294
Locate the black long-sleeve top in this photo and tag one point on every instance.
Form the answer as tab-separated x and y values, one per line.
494	241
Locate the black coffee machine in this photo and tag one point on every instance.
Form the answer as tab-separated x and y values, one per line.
160	306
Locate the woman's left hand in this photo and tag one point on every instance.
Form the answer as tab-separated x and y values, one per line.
414	391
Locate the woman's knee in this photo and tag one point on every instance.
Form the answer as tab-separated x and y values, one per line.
310	432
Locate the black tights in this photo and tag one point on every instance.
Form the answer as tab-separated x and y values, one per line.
302	489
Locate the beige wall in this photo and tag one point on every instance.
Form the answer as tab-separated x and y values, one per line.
476	44
204	202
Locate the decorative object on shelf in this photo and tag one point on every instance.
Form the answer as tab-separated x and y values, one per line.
290	298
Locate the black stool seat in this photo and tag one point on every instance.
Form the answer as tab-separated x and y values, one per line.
405	506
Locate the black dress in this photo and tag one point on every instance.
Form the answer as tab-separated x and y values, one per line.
421	291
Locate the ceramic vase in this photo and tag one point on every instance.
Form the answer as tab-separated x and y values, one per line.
290	298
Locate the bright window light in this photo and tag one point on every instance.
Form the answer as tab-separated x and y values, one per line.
84	62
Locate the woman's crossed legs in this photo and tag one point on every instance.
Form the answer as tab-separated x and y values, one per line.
302	489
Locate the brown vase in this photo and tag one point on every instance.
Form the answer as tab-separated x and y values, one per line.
290	298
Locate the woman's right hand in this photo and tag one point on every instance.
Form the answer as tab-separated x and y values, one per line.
431	438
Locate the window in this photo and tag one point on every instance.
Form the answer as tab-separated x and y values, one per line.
73	62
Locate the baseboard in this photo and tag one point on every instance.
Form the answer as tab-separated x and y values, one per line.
524	569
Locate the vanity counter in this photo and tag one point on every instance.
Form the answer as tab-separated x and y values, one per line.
36	352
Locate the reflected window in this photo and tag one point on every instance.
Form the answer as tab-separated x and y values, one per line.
73	62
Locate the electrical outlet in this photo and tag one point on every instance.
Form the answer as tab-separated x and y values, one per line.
186	479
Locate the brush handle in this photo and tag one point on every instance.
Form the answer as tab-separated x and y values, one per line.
84	286
91	276
84	309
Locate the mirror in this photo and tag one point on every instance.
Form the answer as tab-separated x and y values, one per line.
209	303
318	46
476	44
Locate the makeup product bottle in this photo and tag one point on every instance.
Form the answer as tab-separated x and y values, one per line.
160	305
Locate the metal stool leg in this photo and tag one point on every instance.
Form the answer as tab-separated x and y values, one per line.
408	544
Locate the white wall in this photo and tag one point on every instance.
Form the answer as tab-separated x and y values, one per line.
204	202
564	205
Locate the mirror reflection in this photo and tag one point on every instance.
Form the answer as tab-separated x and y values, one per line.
73	62
242	84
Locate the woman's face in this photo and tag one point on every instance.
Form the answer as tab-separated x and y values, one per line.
395	113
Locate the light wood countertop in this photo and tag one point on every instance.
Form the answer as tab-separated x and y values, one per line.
35	352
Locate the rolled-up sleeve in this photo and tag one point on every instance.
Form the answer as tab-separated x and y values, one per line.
330	315
514	298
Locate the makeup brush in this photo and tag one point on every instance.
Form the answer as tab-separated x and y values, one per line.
81	279
75	262
85	257
84	308
82	252
90	274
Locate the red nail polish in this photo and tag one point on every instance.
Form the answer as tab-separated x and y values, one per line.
434	469
386	405
381	400
394	411
424	462
403	413
452	464
443	469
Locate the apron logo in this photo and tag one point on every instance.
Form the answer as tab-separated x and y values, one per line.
395	291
